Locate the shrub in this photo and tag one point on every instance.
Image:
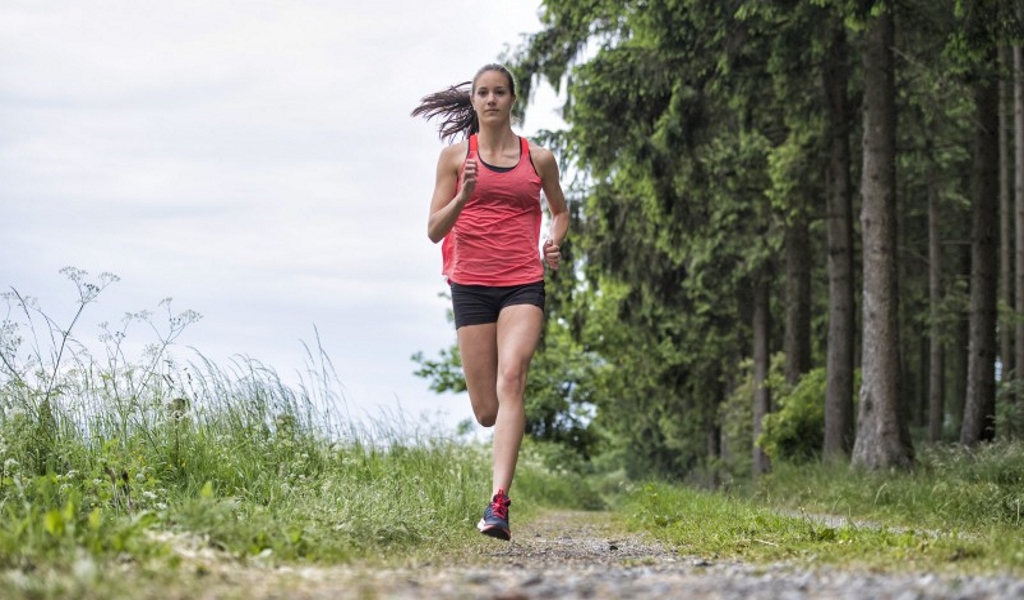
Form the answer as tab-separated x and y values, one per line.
795	431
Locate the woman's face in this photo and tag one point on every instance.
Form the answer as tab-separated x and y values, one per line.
492	97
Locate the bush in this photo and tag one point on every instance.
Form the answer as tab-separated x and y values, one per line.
795	431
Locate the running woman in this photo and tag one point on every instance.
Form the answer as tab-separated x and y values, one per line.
486	209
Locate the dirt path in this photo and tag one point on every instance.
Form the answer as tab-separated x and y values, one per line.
560	555
566	555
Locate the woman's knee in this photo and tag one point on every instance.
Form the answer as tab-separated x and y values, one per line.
485	407
511	383
486	417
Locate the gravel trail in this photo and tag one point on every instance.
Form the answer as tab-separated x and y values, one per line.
580	555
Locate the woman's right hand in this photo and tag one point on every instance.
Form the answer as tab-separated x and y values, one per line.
469	171
453	187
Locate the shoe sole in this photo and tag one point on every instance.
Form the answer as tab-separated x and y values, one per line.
496	532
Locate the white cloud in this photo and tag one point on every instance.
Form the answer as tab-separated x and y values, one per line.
254	160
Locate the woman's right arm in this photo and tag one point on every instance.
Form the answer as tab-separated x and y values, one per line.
446	204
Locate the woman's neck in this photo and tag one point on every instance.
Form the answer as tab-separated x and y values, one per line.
497	138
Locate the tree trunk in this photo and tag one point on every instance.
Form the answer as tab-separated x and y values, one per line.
958	389
713	431
936	389
1005	224
797	342
883	439
762	360
921	384
911	340
841	318
980	403
1018	203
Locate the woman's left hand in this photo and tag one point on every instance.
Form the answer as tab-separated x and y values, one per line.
552	254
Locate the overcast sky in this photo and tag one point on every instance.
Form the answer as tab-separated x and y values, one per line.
252	160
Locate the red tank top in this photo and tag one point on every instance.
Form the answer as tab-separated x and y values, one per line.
496	239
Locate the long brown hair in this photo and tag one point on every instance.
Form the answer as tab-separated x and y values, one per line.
454	105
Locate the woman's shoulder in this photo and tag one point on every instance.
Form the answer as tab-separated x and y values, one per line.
457	148
537	149
542	157
456	151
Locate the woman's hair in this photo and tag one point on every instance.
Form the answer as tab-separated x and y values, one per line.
455	107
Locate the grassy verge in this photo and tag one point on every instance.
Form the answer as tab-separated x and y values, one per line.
957	512
118	471
251	473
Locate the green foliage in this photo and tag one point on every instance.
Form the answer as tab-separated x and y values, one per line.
797	430
674	123
699	130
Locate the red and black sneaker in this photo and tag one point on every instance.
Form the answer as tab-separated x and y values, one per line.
495	521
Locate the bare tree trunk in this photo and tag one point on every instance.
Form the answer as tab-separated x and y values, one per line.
980	403
958	389
797	340
1018	202
714	435
762	360
920	418
841	318
911	339
883	439
936	389
1005	225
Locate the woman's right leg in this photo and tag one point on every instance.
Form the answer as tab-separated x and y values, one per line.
478	348
519	329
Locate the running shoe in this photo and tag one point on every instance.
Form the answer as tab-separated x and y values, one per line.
495	521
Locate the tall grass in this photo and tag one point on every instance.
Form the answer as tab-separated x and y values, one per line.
951	487
98	455
958	510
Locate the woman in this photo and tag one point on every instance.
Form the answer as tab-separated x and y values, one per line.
486	208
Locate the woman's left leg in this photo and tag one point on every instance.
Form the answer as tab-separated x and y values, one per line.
518	332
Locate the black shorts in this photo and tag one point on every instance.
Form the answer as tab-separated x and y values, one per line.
479	304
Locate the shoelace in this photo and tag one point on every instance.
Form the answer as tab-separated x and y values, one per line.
500	504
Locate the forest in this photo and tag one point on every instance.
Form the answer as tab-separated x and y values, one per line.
797	233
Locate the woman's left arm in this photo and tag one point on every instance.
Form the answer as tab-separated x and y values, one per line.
547	168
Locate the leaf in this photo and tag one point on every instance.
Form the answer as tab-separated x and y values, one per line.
95	519
53	523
